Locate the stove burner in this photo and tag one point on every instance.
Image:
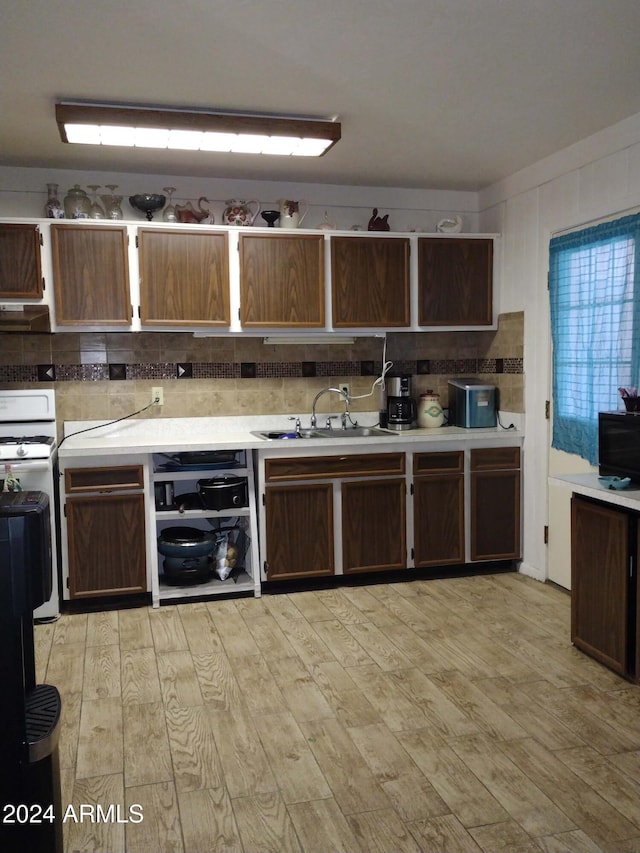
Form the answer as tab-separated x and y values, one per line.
26	439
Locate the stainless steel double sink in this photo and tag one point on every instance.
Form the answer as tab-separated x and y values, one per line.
316	432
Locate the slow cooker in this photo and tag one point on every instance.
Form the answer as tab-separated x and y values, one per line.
224	492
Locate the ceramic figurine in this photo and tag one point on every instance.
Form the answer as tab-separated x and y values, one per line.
378	223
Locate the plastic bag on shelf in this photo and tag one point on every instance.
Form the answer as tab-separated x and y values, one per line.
230	551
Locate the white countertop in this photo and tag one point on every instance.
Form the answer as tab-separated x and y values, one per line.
151	435
590	486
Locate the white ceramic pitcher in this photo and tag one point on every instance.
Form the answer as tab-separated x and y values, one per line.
290	215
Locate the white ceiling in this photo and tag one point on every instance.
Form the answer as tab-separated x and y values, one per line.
451	94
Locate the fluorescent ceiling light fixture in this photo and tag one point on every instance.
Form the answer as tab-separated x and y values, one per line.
195	130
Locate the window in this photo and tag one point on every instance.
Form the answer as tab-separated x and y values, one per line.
594	286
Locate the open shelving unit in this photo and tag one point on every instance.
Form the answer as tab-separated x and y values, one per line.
175	481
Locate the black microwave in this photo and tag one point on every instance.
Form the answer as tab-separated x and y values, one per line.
619	444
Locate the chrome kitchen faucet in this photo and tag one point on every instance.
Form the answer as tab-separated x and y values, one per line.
314	420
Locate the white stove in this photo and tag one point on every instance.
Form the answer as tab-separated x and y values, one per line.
28	452
21	447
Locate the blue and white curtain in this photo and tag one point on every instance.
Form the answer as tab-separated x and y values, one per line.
594	286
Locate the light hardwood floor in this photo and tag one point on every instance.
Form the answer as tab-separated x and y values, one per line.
440	715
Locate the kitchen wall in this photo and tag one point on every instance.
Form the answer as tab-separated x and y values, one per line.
105	375
109	375
23	192
595	179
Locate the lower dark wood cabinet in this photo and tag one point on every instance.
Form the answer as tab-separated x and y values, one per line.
495	503
347	514
438	520
299	531
106	542
603	609
373	525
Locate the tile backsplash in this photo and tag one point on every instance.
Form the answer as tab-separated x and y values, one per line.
108	375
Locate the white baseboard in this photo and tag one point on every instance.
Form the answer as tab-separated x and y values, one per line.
532	571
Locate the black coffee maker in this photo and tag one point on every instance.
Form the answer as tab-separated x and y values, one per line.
401	407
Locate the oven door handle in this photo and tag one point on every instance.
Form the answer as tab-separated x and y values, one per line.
31	467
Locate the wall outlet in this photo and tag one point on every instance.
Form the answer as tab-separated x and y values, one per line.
344	386
157	396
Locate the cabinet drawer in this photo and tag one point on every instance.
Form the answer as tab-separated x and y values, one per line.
437	463
348	465
119	477
495	458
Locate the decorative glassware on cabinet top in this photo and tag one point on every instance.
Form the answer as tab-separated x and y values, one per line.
270	217
77	204
112	203
53	207
188	214
327	224
96	211
148	203
169	213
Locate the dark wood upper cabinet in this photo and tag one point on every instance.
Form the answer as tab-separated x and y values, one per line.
282	280
370	281
184	278
91	274
20	267
455	281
